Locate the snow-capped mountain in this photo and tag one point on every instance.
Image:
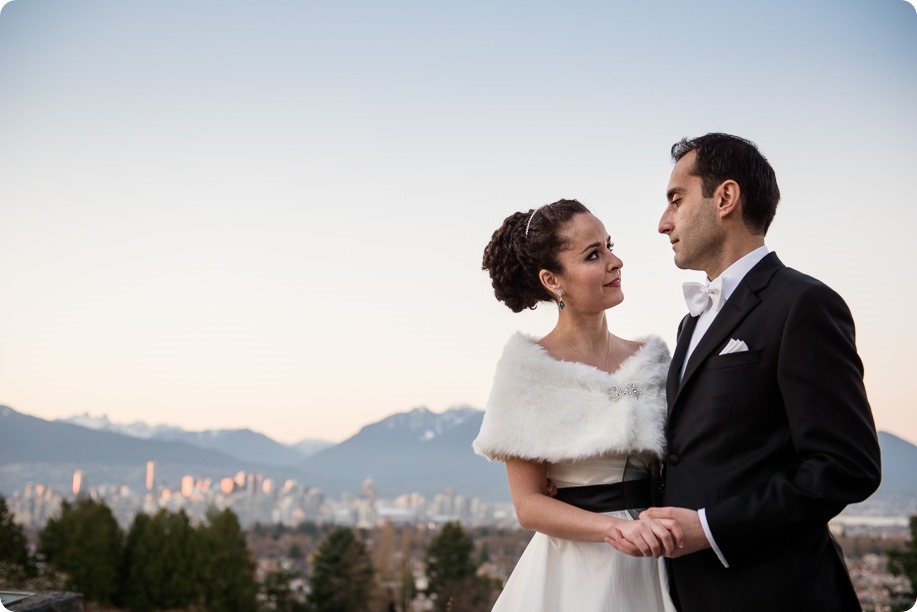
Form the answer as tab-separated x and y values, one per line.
102	423
418	450
243	444
428	425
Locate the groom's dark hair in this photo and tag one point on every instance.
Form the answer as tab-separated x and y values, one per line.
721	157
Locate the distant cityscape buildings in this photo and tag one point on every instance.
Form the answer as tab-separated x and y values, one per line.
256	499
150	474
77	482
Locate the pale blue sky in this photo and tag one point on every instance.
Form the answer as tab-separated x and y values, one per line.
271	215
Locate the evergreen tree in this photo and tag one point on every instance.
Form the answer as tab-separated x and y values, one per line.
279	595
449	557
904	562
14	551
451	572
227	570
484	555
161	562
85	544
342	574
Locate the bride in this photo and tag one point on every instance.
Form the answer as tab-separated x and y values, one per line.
583	408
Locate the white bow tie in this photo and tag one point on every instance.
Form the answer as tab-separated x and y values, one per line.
700	297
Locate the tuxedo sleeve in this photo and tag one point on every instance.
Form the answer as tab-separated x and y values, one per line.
833	453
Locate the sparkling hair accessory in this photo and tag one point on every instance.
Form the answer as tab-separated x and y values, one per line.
529	224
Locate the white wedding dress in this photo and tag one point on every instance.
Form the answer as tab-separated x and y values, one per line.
590	428
557	575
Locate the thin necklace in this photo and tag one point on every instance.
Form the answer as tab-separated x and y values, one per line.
607	351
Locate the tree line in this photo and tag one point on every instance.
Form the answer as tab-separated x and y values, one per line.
161	562
164	562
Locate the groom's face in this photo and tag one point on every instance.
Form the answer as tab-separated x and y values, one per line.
690	219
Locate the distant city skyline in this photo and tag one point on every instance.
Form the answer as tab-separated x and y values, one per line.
272	216
288	503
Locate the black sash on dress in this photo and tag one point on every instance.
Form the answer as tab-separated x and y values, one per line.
628	495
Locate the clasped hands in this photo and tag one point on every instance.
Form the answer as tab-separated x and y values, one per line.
659	532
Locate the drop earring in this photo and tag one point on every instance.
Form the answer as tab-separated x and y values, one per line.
560	301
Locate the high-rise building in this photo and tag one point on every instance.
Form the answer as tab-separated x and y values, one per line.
78	482
369	490
187	486
150	469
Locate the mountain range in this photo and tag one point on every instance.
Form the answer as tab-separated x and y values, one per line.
243	444
406	452
413	451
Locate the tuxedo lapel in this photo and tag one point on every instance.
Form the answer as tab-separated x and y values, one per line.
743	300
685	331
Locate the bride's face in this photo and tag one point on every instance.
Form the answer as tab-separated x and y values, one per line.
591	278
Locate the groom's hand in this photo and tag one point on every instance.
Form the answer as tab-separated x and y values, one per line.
550	490
646	538
694	537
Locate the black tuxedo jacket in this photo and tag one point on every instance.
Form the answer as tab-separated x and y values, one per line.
773	442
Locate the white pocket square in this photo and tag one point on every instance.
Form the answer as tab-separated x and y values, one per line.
734	346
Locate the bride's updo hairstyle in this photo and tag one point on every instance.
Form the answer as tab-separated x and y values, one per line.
525	244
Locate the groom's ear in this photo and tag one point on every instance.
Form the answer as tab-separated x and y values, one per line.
727	197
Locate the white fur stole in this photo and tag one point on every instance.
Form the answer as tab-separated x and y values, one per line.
545	409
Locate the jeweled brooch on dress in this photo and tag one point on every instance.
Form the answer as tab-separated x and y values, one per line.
616	393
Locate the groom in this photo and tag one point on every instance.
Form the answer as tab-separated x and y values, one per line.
770	434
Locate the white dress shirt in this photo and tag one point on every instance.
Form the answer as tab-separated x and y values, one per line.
731	276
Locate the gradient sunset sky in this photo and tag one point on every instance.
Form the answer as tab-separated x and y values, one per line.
271	214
